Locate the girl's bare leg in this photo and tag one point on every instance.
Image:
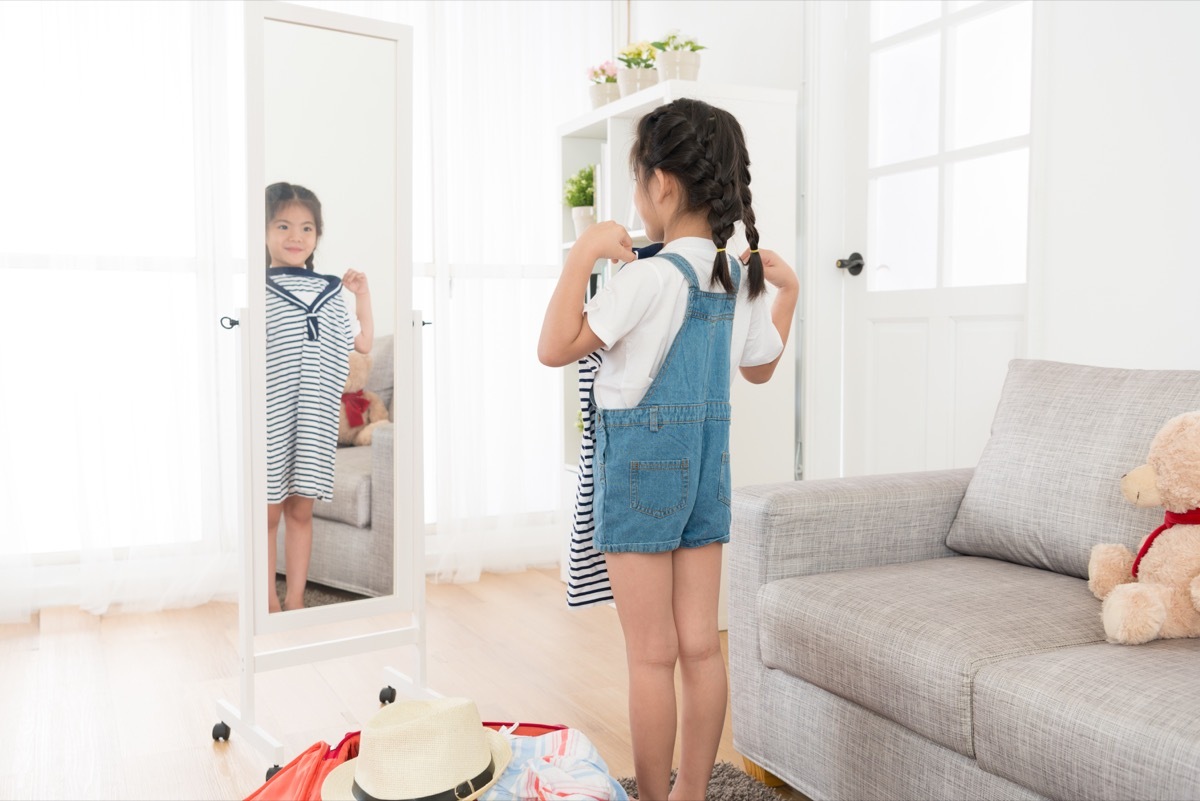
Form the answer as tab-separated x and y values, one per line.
274	511
297	513
697	574
641	585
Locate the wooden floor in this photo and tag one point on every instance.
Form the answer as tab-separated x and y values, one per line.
122	705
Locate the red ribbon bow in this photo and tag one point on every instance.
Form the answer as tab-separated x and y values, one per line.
356	404
1190	517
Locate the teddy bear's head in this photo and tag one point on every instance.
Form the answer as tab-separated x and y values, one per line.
360	370
1171	476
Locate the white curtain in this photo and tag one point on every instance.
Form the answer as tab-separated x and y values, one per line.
122	242
117	459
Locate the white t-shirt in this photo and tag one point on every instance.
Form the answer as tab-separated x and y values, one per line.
639	311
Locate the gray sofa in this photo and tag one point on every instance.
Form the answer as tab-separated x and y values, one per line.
353	535
932	636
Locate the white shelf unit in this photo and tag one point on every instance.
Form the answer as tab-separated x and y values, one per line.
763	433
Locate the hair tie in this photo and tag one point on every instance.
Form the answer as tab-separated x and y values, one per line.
754	251
720	250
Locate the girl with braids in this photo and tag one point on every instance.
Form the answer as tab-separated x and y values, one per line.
673	329
309	338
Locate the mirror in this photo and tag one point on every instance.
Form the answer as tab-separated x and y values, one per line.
333	484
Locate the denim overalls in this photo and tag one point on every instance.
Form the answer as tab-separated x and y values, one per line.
662	467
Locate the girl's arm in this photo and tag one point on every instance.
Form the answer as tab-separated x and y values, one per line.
566	336
356	282
780	275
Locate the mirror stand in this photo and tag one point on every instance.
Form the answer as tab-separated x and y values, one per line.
366	56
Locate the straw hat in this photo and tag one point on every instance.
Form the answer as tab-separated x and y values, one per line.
435	750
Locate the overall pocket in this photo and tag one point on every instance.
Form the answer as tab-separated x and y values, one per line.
658	488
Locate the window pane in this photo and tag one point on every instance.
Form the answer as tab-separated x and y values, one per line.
902	252
988	215
894	16
98	157
990	91
904	101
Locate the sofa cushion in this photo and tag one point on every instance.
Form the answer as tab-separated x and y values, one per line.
351	502
1099	721
1047	486
906	641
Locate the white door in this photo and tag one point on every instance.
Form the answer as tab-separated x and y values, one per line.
936	175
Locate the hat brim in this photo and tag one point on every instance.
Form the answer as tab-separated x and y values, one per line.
340	781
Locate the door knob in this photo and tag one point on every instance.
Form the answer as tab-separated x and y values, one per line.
854	264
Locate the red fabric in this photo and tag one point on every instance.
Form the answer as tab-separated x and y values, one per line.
356	404
301	779
1188	518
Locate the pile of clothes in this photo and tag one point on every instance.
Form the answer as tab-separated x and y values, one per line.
440	750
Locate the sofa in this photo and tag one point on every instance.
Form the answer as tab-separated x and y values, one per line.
932	635
353	535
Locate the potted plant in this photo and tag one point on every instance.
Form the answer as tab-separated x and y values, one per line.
604	84
579	194
638	72
678	57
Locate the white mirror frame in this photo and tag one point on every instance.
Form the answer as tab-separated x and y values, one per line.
407	567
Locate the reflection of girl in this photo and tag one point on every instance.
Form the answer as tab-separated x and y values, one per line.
309	337
674	329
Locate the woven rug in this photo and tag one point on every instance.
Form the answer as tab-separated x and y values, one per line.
728	783
318	594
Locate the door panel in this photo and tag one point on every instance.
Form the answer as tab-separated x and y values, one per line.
939	310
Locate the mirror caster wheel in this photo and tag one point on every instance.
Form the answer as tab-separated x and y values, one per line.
221	731
387	695
271	771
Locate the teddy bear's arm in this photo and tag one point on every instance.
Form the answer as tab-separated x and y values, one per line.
1110	565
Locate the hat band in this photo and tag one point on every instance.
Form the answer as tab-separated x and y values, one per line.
462	790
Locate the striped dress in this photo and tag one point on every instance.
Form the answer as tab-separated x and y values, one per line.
587	573
308	358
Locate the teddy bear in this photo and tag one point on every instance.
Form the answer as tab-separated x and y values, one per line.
361	410
1156	593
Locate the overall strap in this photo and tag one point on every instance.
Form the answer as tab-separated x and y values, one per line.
685	267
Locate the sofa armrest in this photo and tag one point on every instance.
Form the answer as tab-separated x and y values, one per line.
383	506
804	527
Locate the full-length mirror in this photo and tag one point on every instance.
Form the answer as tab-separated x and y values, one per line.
334	479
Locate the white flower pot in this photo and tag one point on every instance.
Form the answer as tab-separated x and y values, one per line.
582	216
630	81
602	93
682	64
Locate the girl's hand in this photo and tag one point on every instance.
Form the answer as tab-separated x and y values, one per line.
606	240
776	271
356	282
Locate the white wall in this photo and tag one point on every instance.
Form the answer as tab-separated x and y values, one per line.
333	132
1114	280
750	42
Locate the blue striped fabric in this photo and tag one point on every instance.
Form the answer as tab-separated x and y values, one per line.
587	573
308	347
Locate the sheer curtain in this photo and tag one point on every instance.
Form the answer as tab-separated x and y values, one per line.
122	242
493	81
117	462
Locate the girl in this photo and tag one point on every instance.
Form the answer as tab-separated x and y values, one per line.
309	337
672	328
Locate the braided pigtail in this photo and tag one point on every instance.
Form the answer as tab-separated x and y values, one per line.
757	283
724	208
